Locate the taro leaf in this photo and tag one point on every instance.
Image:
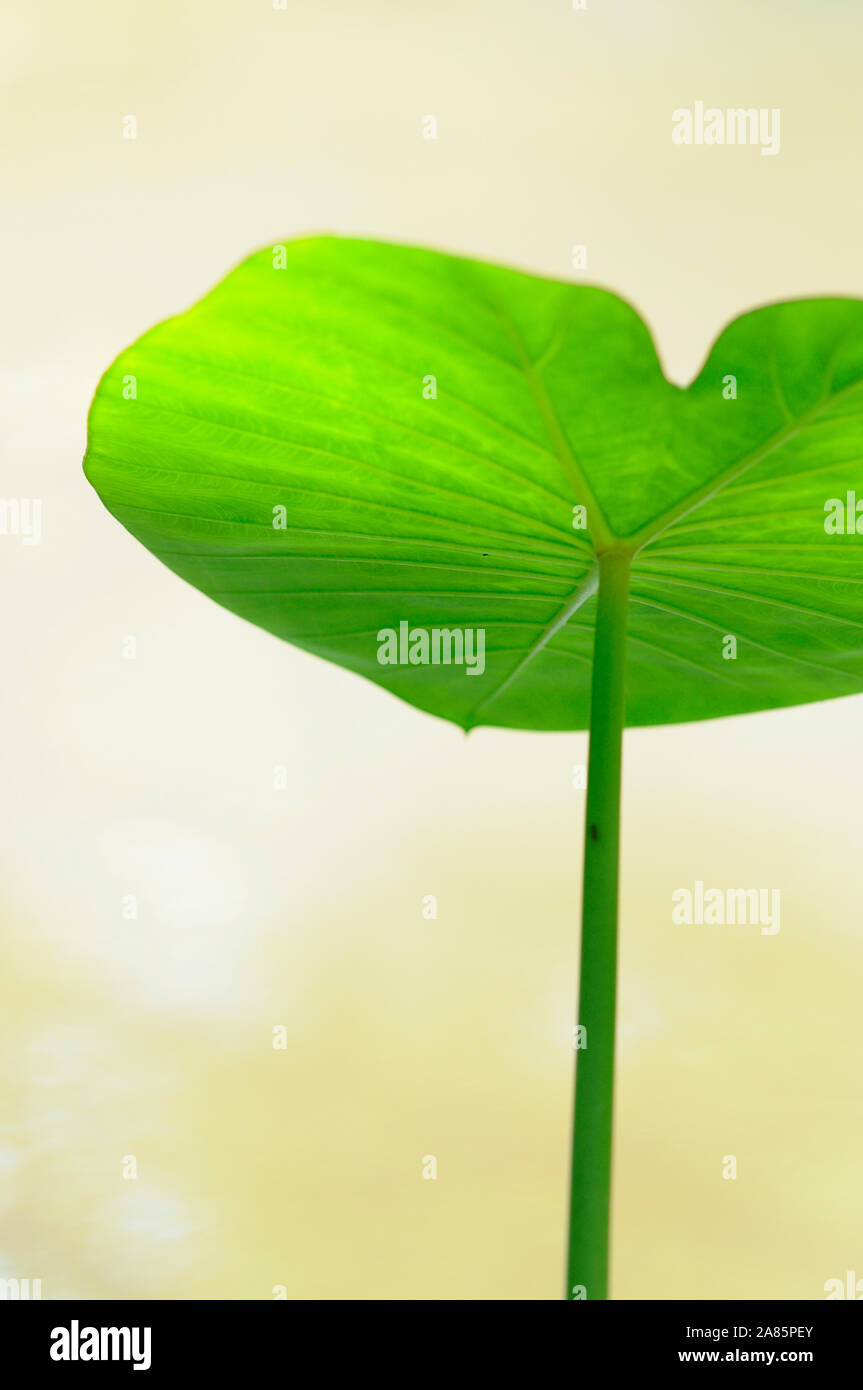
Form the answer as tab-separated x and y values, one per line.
302	382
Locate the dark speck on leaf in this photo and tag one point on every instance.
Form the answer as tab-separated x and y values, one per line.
594	833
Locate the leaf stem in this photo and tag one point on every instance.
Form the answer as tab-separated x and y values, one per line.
587	1275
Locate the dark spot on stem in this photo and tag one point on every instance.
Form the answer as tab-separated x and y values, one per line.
594	832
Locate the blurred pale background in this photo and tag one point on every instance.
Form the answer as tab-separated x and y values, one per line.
153	777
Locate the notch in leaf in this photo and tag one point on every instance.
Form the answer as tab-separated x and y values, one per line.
389	457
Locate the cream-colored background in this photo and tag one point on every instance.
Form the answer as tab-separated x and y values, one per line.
302	908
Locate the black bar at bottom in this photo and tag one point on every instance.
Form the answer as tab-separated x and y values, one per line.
216	1339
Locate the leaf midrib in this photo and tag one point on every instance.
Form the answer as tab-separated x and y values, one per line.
601	533
599	529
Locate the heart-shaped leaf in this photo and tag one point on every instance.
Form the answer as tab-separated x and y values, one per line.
353	444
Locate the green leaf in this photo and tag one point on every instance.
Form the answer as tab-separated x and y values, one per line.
302	382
